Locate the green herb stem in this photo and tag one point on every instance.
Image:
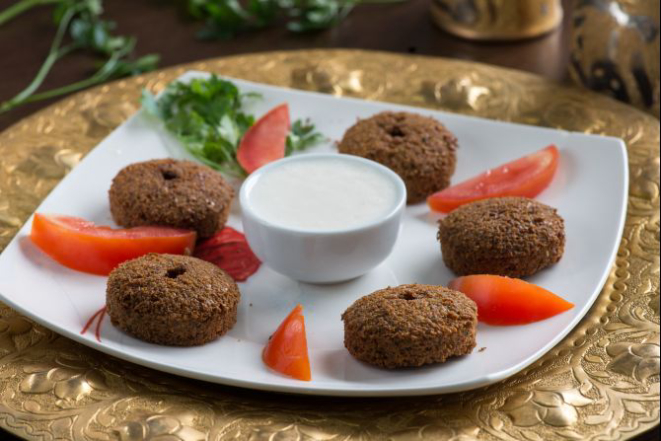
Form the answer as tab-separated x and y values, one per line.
100	76
106	72
81	19
20	7
54	54
26	94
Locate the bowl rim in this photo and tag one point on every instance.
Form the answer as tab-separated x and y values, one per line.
248	211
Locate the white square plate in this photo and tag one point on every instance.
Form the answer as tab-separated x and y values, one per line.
589	191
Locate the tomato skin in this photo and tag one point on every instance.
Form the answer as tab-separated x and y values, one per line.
83	246
527	177
265	140
287	349
505	301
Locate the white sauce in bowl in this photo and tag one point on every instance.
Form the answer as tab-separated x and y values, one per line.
323	194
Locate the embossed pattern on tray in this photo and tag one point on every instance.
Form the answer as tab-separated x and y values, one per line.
601	382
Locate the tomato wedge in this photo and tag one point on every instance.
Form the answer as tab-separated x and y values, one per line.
229	250
287	349
526	176
506	301
84	246
265	140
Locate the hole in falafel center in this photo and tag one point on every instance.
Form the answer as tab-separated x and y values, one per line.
408	296
173	273
168	175
396	132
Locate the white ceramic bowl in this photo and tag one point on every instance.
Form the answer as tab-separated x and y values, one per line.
322	256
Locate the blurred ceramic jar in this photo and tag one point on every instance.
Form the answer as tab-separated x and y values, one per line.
615	49
497	19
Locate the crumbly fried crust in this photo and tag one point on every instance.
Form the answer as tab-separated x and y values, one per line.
172	300
168	192
510	236
410	325
418	148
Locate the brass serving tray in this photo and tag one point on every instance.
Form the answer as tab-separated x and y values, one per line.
601	382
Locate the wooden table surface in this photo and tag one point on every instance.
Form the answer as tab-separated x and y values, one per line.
160	28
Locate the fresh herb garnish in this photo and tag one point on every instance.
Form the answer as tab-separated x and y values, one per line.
226	18
206	116
301	136
81	20
21	7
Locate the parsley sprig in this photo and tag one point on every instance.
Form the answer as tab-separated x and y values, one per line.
301	136
81	28
226	18
206	116
87	31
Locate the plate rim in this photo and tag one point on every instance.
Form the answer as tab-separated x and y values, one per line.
295	387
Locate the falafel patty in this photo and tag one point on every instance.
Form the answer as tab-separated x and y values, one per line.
418	148
509	236
410	325
172	300
173	193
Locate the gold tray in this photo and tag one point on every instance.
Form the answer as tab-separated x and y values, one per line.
602	381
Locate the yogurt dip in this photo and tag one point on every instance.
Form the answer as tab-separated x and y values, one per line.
323	194
322	218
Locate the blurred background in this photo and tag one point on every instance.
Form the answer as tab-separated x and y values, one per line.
611	46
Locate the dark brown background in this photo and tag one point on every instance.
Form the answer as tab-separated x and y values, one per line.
402	28
160	28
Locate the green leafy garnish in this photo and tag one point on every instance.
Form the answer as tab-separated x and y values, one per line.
87	31
301	136
81	28
206	116
226	18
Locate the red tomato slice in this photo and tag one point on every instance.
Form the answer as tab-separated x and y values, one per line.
287	349
526	176
229	250
265	140
83	246
505	301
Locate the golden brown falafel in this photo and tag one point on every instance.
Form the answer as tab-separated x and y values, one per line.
509	236
180	194
410	325
418	148
172	300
